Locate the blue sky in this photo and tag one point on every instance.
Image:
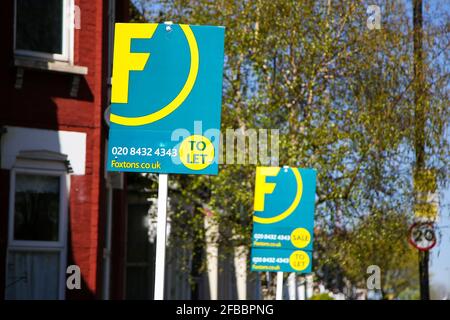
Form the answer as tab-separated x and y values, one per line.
440	255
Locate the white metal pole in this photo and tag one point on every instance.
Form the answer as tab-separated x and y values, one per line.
292	286
279	295
161	237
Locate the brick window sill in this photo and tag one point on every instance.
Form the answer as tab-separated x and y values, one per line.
23	63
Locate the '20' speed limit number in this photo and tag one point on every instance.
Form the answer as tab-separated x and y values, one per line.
422	236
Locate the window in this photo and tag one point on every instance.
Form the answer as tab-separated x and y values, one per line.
140	253
38	208
43	29
37	250
32	275
36	215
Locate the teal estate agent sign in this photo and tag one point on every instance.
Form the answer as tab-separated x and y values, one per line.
283	220
166	98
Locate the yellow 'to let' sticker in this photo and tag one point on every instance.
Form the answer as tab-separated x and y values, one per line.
196	152
299	260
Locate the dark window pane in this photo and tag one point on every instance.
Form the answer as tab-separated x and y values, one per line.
138	243
39	25
139	283
140	253
36	215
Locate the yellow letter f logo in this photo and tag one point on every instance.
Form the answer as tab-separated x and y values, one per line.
262	187
124	60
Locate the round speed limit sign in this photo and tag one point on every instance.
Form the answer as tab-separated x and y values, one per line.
422	236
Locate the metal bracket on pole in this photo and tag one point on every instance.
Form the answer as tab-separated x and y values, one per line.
279	295
161	237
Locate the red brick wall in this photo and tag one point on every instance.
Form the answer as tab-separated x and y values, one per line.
44	102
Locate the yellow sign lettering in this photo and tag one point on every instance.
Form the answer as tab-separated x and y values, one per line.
124	60
262	187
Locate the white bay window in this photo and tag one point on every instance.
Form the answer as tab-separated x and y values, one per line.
44	29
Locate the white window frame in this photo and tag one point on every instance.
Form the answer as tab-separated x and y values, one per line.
40	246
68	27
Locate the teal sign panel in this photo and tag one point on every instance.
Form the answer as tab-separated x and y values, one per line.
166	98
281	260
283	219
